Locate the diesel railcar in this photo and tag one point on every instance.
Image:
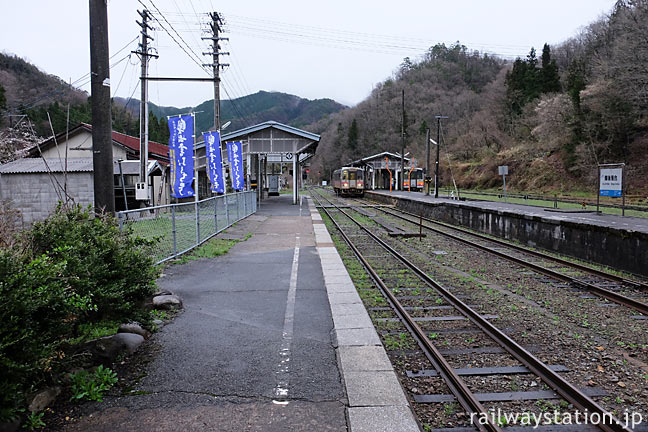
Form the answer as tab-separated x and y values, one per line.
416	179
349	181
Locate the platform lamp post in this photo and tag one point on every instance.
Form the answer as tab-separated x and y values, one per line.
428	176
436	167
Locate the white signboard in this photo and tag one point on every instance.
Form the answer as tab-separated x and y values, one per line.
503	169
611	182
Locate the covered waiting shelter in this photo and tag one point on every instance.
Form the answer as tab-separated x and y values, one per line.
269	141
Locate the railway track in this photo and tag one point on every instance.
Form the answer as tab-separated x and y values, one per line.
621	290
396	275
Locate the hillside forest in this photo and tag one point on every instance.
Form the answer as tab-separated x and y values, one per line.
551	117
42	104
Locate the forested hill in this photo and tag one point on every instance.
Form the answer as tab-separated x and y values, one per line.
26	90
552	116
252	109
35	98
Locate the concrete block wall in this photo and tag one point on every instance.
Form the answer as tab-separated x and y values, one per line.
34	195
617	248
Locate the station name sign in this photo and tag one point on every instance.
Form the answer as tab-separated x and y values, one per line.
611	181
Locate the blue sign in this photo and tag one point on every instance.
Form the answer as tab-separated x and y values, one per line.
235	157
181	142
611	193
214	161
611	182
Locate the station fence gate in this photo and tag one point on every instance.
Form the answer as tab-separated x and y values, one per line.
181	227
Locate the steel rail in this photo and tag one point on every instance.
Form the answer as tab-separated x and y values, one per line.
457	386
600	273
601	292
561	386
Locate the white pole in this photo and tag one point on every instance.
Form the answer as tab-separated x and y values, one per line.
295	190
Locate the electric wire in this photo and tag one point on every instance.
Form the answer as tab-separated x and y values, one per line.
78	83
189	51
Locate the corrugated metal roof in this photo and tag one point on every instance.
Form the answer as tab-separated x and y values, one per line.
250	129
156	150
37	165
379	156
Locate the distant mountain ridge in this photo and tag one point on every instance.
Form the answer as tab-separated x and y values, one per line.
32	91
251	109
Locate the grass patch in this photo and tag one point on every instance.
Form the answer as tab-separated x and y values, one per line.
91	331
212	249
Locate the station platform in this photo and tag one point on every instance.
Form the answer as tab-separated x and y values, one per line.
589	217
615	241
273	337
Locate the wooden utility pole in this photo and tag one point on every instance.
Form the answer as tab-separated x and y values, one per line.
144	115
102	155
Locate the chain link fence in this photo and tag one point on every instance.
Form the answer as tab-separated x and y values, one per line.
181	227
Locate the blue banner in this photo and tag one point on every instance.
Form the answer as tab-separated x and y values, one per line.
181	143
214	161
235	157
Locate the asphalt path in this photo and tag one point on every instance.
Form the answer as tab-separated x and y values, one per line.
219	361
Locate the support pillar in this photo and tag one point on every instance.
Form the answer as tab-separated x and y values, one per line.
295	184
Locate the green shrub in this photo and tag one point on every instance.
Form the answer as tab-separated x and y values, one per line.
71	277
112	268
34	421
91	386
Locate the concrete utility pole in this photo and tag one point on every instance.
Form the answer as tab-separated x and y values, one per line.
144	115
216	65
436	167
102	157
402	179
427	161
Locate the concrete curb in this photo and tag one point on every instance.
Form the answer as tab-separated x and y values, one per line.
376	399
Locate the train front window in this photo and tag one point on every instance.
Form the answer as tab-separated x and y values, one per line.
352	175
345	175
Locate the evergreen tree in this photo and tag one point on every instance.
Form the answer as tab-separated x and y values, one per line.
550	80
575	83
353	135
406	65
423	128
3	99
532	79
164	130
340	133
516	86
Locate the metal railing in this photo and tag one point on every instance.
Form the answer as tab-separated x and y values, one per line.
178	228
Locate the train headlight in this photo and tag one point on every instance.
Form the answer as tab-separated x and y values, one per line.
360	183
345	184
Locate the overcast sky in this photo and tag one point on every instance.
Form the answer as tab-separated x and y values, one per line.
332	48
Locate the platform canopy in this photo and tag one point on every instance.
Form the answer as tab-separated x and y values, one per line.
381	160
272	137
272	142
